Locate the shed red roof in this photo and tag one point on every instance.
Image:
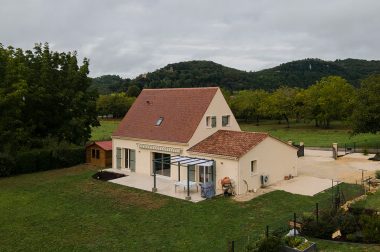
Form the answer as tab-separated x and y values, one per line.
105	145
181	109
229	143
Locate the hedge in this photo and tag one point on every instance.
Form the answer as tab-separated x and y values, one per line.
40	160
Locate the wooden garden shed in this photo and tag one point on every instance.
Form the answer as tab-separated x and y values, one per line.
99	153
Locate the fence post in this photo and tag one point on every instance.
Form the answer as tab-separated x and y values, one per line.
294	224
354	147
267	232
317	212
232	246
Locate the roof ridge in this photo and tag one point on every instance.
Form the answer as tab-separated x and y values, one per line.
188	88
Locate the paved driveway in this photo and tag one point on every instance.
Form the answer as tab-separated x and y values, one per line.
304	185
320	164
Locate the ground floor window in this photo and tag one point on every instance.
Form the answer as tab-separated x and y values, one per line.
130	159
205	174
253	167
161	163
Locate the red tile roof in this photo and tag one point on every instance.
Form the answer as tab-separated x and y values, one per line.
105	145
229	143
182	110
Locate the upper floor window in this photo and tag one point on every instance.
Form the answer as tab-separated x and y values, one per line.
225	120
211	121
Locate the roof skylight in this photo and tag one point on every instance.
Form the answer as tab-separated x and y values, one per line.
159	121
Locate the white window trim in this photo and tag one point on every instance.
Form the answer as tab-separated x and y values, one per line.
208	121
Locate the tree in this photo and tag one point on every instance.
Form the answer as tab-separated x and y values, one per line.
366	112
116	104
282	103
249	104
44	94
133	91
330	98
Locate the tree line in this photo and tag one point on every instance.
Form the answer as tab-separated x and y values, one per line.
331	98
300	73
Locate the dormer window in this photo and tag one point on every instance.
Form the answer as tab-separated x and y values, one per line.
159	121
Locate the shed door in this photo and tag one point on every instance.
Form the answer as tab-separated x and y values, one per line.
132	160
118	158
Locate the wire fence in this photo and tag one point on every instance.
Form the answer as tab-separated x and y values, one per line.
360	147
339	195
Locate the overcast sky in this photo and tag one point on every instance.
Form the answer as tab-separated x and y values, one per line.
133	37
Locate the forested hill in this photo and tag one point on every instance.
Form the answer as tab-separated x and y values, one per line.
300	73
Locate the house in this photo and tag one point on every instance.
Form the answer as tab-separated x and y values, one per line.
99	153
182	133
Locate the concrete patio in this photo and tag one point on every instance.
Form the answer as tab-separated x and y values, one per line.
164	185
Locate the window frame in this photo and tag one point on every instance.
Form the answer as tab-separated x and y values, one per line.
93	153
213	122
208	121
253	168
228	117
97	154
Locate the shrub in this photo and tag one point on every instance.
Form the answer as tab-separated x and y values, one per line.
377	174
7	165
370	228
365	152
269	244
294	241
347	223
354	237
47	159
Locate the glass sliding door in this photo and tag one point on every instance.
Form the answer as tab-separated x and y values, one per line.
205	174
161	163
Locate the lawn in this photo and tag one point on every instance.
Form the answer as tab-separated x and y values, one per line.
371	202
105	130
314	137
66	210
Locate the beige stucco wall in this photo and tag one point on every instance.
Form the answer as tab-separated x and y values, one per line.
274	159
224	167
218	107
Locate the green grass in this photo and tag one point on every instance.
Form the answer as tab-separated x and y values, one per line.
105	130
371	202
312	136
67	210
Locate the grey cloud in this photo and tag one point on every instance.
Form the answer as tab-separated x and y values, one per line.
132	37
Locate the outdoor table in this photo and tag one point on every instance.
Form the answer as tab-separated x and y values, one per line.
184	184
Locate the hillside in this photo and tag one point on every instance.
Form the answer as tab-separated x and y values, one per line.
300	73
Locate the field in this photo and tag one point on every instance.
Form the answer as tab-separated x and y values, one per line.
67	210
310	135
104	131
315	137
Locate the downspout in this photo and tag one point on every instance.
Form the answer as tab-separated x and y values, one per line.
238	185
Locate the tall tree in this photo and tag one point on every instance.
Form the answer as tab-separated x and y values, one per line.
366	113
282	103
330	98
44	94
249	104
